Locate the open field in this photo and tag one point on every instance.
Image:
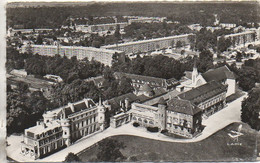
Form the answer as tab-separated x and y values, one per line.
215	148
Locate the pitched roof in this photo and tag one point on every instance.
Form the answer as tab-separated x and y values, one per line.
218	74
162	101
115	102
182	106
188	74
146	88
160	81
203	92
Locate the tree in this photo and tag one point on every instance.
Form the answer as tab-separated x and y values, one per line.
247	77
179	44
239	57
39	40
109	150
117	33
250	112
223	44
71	157
182	52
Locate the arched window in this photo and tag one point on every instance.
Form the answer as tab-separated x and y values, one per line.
145	121
139	119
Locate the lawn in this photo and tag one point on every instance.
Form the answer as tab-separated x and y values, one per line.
214	148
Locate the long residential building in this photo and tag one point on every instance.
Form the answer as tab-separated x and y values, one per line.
101	55
61	127
209	97
140	80
241	38
181	115
149	45
101	27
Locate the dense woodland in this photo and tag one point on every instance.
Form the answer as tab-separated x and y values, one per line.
53	16
251	109
22	103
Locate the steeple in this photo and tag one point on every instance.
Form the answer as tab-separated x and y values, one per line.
100	101
194	72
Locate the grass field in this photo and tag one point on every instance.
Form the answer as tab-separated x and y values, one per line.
214	148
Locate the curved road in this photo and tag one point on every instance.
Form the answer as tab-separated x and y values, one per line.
214	123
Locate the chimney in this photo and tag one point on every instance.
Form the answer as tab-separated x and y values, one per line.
126	103
37	123
44	125
120	103
86	102
71	106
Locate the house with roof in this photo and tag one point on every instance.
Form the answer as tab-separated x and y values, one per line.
139	80
123	103
63	126
222	75
177	116
209	97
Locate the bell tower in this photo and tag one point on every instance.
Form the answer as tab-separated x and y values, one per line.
162	113
101	115
194	73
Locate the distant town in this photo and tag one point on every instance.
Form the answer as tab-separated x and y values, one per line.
87	85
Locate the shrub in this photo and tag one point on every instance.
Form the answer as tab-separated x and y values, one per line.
152	129
164	131
136	124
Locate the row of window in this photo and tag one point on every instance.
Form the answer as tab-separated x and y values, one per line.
212	101
179	128
84	131
85	122
50	139
51	147
84	115
145	120
48	133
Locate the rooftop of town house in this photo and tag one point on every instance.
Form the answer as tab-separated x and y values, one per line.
237	34
119	115
145	41
150	79
67	110
182	106
203	92
42	128
115	102
218	74
79	47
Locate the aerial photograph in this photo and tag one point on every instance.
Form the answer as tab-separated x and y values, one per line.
142	81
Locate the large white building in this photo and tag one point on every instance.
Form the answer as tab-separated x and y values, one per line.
241	38
63	126
222	75
149	45
101	55
100	27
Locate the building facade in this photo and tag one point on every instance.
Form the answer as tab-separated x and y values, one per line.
146	19
149	45
140	80
63	126
222	75
101	55
209	97
177	116
241	38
